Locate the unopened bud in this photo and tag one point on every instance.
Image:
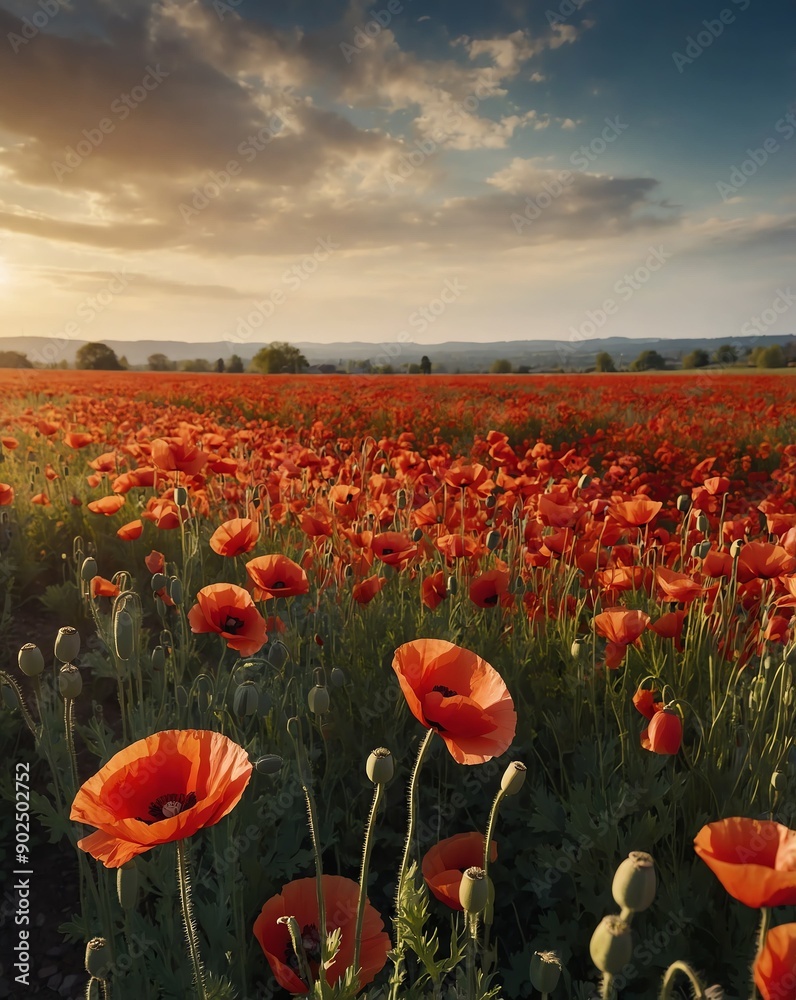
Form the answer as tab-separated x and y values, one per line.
513	777
452	585
175	590
491	502
700	550
127	882
269	764
98	958
611	945
583	482
158	658
246	700
318	700
158	581
380	766
684	503
417	535
634	882
779	781
474	890
67	644
493	540
400	499
30	660
574	649
123	635
545	971
735	548
70	683
702	522
337	677
180	496
89	569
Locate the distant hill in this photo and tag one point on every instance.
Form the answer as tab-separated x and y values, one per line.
453	355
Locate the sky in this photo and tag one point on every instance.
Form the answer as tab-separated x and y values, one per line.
249	171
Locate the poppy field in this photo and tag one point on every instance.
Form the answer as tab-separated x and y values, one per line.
399	687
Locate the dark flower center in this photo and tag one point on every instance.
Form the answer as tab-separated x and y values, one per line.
491	600
170	805
278	585
232	624
387	552
446	691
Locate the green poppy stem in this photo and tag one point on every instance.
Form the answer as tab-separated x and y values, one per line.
184	880
378	794
667	989
607	987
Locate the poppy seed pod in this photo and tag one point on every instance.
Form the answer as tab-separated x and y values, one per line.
67	644
700	550
124	635
158	581
246	700
318	700
89	569
574	649
337	677
702	523
684	503
513	778
380	766
452	585
30	660
779	781
417	535
70	683
491	502
158	658
98	958
545	971
127	882
634	882
583	482
611	945
180	496
474	890
270	763
175	589
400	499
735	548
493	540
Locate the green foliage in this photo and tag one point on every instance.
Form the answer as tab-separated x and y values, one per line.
768	357
696	359
97	357
14	359
500	366
725	355
279	358
604	362
648	360
160	363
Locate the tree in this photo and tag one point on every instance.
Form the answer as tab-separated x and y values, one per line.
235	364
196	365
769	357
647	361
14	359
160	363
725	355
279	358
425	365
97	357
696	359
604	362
500	366
220	366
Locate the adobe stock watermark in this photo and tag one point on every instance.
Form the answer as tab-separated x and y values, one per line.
121	108
758	325
224	7
757	158
712	29
365	33
292	279
35	22
219	180
581	159
565	11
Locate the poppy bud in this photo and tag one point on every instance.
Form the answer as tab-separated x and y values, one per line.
380	766
278	654
665	732
452	585
779	781
123	635
400	499
611	945
474	890
513	777
491	502
735	548
700	550
702	523
70	683
180	496
493	540
67	644
574	649
318	700
127	882
30	660
158	581
337	677
583	482
98	957
89	569
417	535
246	700
158	658
634	882
269	764
545	971
684	503
175	589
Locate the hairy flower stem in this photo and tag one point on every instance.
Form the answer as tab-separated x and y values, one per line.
69	732
607	987
667	989
762	931
9	680
184	880
490	829
378	794
472	943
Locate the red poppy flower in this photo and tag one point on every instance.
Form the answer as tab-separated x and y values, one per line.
299	899
445	863
41	499
472	477
75	439
164	513
6	494
155	562
488	588
664	733
460	695
393	547
677	586
433	590
130	531
647	701
100	587
775	966
762	560
670	626
276	576
106	505
235	537
229	611
366	590
635	512
177	455
755	860
162	788
621	627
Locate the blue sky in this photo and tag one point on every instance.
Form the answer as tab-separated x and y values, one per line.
534	154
